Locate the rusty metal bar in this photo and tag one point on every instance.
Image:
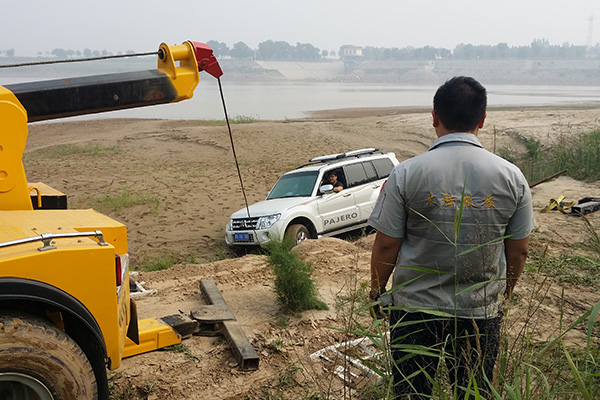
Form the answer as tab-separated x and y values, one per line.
219	318
548	178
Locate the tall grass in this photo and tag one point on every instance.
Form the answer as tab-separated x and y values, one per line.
294	286
579	155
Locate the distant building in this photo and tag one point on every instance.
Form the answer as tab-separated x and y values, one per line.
351	56
350	51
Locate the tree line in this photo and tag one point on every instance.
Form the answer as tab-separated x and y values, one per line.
283	51
271	50
539	49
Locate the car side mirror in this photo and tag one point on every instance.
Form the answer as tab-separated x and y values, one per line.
326	189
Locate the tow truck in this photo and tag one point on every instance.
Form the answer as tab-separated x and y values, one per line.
66	315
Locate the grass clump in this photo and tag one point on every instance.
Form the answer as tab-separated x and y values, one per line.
184	350
244	119
88	149
574	269
126	199
238	119
158	263
295	289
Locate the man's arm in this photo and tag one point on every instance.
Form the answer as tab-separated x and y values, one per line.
383	261
516	254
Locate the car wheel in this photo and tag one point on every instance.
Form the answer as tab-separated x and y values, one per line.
39	361
298	232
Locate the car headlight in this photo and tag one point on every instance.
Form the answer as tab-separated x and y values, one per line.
229	225
267	221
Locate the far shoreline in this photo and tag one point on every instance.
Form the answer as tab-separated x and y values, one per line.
338	113
390	111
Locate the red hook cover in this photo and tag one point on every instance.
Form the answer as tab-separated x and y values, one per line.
206	60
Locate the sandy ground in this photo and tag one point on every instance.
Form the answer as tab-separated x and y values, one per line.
183	178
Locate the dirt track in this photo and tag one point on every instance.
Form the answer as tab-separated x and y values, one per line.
183	175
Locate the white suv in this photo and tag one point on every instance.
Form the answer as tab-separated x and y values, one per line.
304	205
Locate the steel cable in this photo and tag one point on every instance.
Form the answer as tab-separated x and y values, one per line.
47	62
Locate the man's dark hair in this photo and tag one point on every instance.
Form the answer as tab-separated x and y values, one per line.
460	104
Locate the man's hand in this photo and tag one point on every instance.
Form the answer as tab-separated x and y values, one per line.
376	311
383	261
516	255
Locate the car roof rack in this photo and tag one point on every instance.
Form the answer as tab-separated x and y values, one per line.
339	156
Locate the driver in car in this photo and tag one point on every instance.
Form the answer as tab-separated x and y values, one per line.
333	180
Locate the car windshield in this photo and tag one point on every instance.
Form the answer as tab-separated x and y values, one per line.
299	184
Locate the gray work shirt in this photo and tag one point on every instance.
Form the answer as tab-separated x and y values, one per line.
421	203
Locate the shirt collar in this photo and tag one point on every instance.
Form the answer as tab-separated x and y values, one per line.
460	137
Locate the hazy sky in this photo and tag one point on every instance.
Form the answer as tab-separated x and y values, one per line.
32	26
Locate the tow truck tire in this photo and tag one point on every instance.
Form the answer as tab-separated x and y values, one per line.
298	232
39	361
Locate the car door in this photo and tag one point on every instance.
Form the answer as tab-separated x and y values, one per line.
376	171
337	210
365	185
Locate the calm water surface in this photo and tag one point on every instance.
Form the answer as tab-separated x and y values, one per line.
283	100
279	101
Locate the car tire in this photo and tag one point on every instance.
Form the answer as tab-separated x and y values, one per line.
40	361
298	232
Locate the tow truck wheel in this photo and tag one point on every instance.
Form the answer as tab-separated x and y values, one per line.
40	362
298	232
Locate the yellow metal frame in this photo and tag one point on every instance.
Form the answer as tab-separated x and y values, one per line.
154	334
14	191
184	77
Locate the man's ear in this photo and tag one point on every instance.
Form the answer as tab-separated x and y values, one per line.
482	121
436	119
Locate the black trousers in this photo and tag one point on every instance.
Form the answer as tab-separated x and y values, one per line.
469	348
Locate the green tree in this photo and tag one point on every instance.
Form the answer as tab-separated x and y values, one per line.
219	48
306	52
502	50
539	47
241	50
464	51
59	53
280	50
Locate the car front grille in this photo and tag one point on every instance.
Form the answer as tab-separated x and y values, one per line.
243	224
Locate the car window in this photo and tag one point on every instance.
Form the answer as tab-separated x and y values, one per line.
355	174
370	171
383	166
299	184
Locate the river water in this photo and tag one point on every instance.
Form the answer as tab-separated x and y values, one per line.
290	100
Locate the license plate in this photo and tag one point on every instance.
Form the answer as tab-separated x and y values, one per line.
241	237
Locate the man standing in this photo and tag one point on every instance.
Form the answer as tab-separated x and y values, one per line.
453	226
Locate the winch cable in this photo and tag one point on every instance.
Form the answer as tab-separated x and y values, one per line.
73	60
237	165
